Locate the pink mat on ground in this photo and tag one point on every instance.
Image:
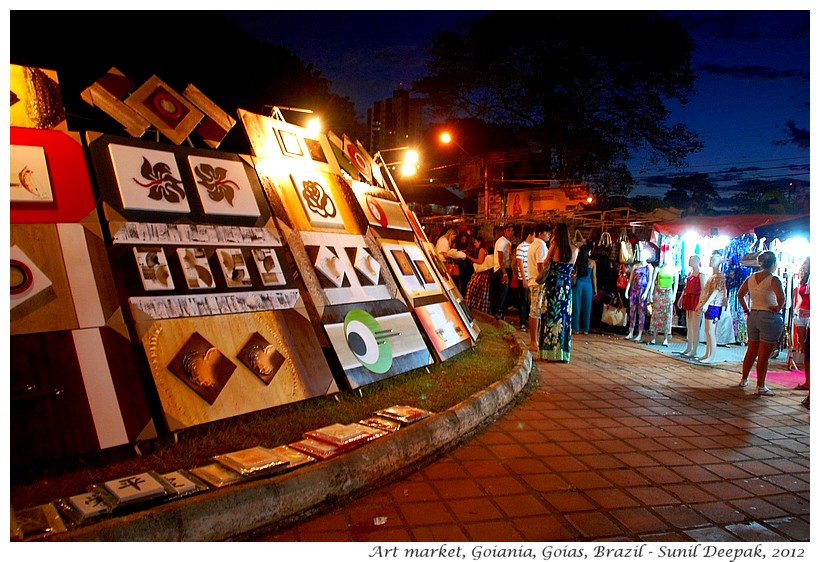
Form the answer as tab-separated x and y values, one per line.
789	379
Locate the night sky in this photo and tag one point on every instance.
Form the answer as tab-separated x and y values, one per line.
750	107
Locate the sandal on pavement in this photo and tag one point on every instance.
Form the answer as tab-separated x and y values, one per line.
763	391
744	383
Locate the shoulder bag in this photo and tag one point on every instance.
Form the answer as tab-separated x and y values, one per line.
615	313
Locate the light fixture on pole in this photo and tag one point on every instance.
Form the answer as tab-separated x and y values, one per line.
447	138
409	165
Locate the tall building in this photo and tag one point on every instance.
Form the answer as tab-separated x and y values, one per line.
396	121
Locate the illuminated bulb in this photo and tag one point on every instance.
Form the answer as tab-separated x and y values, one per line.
445	137
411	157
314	126
408	169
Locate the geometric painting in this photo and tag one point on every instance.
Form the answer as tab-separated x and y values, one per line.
371	348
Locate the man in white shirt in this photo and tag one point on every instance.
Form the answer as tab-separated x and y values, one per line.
502	261
536	256
521	272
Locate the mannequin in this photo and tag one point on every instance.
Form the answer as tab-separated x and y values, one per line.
637	290
665	287
688	301
713	299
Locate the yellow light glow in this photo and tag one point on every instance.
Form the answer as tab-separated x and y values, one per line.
411	157
589	199
445	137
408	169
314	126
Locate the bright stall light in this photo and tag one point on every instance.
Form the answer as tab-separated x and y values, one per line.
408	169
314	125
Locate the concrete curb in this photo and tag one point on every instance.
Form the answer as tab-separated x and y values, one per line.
240	509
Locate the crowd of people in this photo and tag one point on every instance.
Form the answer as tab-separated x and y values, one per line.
554	281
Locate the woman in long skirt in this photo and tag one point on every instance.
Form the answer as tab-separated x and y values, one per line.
555	338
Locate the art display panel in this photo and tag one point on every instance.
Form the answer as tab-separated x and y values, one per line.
444	328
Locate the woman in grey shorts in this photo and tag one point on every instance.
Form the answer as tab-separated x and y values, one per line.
765	320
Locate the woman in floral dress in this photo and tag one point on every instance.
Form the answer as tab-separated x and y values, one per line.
555	338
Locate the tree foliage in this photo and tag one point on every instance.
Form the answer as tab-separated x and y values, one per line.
586	88
693	193
231	67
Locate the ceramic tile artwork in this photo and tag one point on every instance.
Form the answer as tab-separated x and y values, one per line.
180	483
89	505
136	487
27	280
197	270
270	270
153	268
367	265
29	176
148	180
262	357
168	111
329	265
234	268
202	367
316	196
384	213
223	187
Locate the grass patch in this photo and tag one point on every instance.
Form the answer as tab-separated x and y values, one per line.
435	388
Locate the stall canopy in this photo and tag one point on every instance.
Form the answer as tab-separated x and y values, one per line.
796	227
719	225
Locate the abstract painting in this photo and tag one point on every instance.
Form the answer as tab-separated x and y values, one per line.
223	187
29	175
148	180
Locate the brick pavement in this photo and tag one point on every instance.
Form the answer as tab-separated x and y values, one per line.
622	444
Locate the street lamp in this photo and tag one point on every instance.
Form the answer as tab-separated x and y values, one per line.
447	138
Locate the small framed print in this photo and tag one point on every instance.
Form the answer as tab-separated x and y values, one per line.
223	187
251	460
202	367
234	267
315	193
148	179
267	263
29	175
153	268
25	278
197	270
172	115
289	143
261	357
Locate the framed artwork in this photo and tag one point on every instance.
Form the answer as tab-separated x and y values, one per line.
148	179
172	114
371	348
251	460
153	268
181	482
234	268
270	270
261	357
344	271
289	142
362	162
28	172
411	267
443	326
328	264
59	175
316	196
217	475
384	213
367	265
202	367
25	278
223	187
197	270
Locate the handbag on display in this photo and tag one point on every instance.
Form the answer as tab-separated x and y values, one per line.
615	313
452	268
626	253
623	277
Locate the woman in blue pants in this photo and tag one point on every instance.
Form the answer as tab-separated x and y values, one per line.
586	283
